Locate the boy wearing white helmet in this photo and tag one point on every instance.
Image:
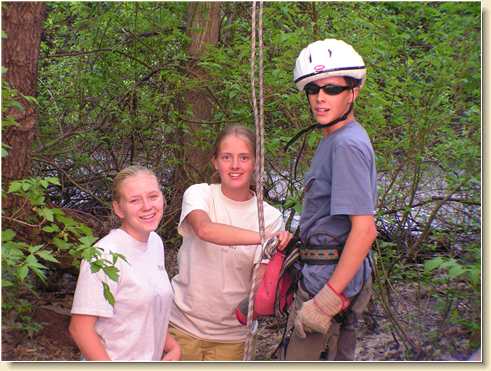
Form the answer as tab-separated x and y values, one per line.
337	226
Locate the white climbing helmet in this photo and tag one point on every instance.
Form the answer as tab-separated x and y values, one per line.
329	57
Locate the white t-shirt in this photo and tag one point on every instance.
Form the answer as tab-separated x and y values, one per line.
136	327
214	279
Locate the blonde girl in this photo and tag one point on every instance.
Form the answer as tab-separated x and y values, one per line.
135	328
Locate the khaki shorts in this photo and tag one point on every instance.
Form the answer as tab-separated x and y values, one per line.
194	349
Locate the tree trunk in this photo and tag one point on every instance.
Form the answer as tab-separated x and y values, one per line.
22	24
203	27
196	106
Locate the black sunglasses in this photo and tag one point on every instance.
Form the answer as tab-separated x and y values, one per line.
313	89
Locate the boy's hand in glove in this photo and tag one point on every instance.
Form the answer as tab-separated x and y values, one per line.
316	314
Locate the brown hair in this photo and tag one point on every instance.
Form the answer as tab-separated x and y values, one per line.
126	173
238	131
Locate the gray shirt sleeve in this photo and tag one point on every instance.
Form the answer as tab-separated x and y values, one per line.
351	192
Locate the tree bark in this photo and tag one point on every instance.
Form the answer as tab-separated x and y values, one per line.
203	27
22	23
196	104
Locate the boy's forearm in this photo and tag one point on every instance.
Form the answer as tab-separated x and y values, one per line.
356	248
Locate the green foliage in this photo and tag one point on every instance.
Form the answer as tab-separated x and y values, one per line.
21	309
457	274
455	270
23	260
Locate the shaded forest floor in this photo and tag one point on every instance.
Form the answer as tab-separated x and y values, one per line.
377	340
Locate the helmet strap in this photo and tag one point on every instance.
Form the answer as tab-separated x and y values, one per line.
319	126
300	133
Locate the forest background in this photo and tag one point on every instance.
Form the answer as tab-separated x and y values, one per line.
91	87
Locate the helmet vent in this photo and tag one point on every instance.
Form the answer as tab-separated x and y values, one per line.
330	52
310	58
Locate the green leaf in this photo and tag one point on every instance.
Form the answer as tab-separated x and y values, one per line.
31	260
475	276
290	203
433	264
61	244
46	255
88	253
30	99
53	180
448	263
25	186
12	253
96	266
39	273
33	249
111	272
117	256
7	283
455	271
46	213
51	228
8	235
15	187
88	240
33	263
5	151
107	293
85	229
67	221
22	272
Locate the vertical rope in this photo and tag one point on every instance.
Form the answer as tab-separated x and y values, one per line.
259	123
260	129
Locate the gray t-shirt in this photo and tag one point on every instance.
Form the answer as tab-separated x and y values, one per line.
341	182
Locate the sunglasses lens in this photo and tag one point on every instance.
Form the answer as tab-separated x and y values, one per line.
312	89
333	89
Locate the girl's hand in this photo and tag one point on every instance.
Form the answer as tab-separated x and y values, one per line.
284	238
172	350
173	354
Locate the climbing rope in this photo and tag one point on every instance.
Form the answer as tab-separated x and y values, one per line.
259	123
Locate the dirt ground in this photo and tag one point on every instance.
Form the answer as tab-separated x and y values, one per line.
377	339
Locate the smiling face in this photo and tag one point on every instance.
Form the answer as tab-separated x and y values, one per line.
327	108
235	162
140	205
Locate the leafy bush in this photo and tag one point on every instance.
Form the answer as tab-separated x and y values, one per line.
457	275
24	260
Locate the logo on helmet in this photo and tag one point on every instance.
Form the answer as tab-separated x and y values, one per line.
319	68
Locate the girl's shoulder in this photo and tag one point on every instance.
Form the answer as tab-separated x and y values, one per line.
198	192
199	188
271	211
117	240
109	241
155	240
